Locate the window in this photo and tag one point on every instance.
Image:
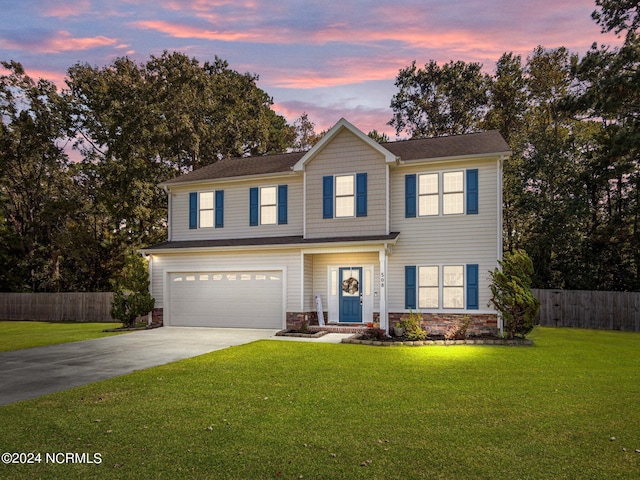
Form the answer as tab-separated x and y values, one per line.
453	286
442	287
441	193
268	206
345	196
428	286
206	211
452	193
428	195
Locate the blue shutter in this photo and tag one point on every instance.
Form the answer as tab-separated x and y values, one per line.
327	197
410	286
410	196
472	191
193	210
282	204
472	287
253	206
219	208
361	195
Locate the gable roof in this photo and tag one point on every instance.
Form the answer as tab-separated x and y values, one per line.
240	167
454	146
335	130
480	144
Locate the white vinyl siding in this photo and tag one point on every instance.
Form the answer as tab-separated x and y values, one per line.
445	239
246	260
236	212
345	155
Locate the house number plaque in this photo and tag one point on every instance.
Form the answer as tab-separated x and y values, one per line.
381	279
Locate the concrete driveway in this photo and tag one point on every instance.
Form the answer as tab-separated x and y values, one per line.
33	372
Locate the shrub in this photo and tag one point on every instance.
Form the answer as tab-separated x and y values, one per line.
375	333
413	328
511	293
131	297
459	330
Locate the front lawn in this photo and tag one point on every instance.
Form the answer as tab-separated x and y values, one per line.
274	409
19	335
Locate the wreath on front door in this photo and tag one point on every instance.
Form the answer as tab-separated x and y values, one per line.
350	285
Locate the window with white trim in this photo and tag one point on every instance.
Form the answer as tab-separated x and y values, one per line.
441	286
268	205
345	196
453	286
428	194
428	287
452	193
206	209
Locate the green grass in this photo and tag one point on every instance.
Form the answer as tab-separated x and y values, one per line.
19	335
275	409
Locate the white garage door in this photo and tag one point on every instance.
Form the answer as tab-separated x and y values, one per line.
226	299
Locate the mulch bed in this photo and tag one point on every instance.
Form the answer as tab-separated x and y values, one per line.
433	340
298	333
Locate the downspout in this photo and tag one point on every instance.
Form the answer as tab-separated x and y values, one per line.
500	227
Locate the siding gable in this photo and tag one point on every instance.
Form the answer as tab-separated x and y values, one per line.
346	154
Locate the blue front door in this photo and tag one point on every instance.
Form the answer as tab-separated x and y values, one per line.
351	295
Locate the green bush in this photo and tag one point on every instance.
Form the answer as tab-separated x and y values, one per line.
131	296
413	327
511	293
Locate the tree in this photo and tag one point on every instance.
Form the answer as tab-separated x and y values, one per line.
137	125
306	136
617	15
511	293
378	137
436	101
35	190
507	111
131	296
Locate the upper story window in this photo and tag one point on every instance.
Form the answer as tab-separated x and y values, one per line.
428	194
452	193
206	209
344	196
268	205
441	193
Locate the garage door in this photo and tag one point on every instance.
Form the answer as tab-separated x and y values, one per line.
226	299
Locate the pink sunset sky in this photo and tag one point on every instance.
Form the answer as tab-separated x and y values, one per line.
328	58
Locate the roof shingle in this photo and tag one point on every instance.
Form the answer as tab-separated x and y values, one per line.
483	143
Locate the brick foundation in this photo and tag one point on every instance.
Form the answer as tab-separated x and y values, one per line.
438	323
295	319
157	316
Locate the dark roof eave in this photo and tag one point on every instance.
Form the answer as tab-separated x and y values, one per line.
266	242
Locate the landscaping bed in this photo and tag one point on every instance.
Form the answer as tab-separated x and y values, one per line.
434	340
302	334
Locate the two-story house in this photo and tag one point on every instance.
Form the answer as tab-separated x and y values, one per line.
360	231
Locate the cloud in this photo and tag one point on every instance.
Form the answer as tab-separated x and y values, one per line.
61	41
64	9
326	116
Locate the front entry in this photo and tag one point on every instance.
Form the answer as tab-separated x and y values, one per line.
350	295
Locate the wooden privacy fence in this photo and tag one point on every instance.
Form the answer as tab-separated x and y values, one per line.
56	307
589	309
